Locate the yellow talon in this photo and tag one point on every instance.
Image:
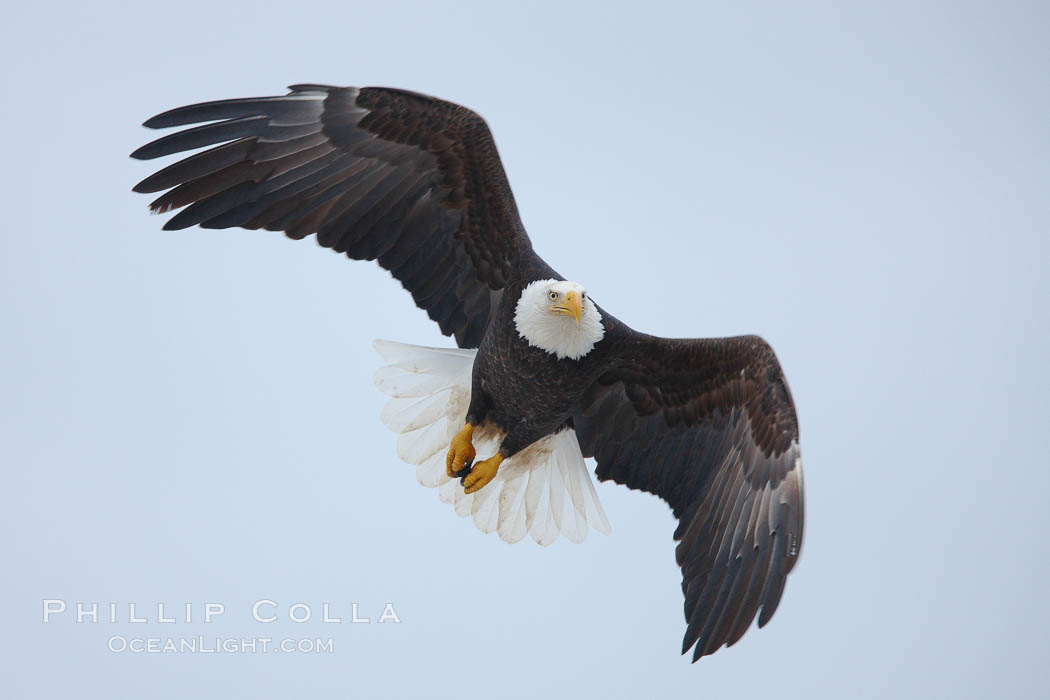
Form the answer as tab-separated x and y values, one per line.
461	451
483	473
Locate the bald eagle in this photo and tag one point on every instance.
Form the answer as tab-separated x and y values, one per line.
543	376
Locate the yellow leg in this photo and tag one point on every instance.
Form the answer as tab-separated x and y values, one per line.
482	473
461	451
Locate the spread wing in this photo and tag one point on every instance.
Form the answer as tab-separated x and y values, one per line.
708	426
379	174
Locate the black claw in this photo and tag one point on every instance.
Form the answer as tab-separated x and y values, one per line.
462	472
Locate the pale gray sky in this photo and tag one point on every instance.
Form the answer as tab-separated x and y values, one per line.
190	417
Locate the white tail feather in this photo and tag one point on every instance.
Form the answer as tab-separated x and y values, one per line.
430	392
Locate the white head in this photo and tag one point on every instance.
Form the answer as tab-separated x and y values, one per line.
558	317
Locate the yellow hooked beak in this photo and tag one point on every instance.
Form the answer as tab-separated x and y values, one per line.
572	306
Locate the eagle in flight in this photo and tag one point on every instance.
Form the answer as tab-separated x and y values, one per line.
543	376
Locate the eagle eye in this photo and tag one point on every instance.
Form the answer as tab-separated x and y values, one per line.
553	295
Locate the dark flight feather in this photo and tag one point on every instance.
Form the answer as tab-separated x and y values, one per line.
708	426
378	173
